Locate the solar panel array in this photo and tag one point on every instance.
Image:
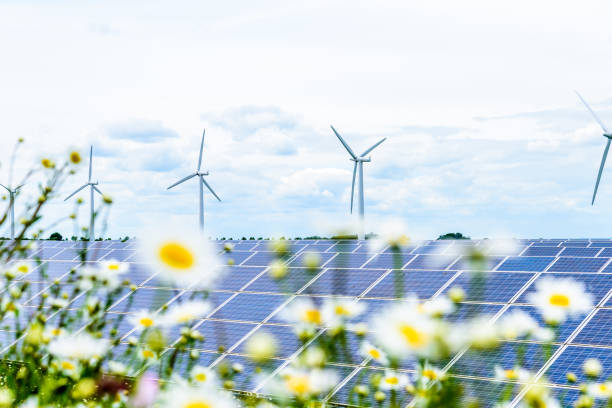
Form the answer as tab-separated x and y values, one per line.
248	300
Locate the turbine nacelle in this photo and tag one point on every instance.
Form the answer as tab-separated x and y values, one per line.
361	159
608	135
201	173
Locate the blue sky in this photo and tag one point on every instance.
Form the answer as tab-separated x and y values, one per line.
485	135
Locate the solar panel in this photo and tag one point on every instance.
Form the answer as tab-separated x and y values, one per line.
247	300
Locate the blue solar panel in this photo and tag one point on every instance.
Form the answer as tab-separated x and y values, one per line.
423	284
596	284
296	279
323	256
238	276
348	282
249	307
389	261
219	335
529	264
430	262
541	251
428	249
258	259
493	287
288	343
598	330
248	379
563	331
464	264
572	359
579	251
607	244
238	257
578	264
605	252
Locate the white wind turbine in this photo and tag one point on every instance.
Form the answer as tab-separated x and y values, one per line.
12	193
202	182
91	197
607	135
359	160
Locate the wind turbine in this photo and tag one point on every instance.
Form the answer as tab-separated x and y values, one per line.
12	193
359	160
92	189
607	135
202	182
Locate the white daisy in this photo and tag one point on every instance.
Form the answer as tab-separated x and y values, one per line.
117	368
367	350
70	368
183	395
186	312
558	298
81	347
392	380
146	354
438	307
302	311
182	259
336	312
303	384
114	266
511	374
592	367
145	319
22	267
516	325
600	390
261	346
429	373
203	375
393	234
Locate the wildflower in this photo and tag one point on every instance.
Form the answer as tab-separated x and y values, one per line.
392	234
146	354
84	388
584	401
186	312
114	266
304	384
202	375
367	350
303	312
10	307
558	298
592	368
57	303
69	368
311	260
335	312
144	320
429	373
600	390
280	246
107	199
360	329
571	377
512	374
314	357
402	331
392	380
517	324
438	307
22	268
75	157
185	260
479	333
117	368
146	391
456	294
82	347
47	163
183	395
261	347
277	269
6	397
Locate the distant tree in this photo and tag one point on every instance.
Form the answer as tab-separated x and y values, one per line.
125	239
260	238
297	238
56	236
74	238
223	239
230	239
243	238
251	238
344	237
453	235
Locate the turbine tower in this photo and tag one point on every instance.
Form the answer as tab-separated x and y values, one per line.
93	188
606	134
12	193
202	182
359	160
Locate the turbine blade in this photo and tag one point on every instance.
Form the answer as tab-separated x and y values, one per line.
601	166
182	180
346	146
210	188
374	146
7	189
593	113
353	186
201	148
77	190
90	155
97	190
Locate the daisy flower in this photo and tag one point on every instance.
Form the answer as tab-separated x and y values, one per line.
556	299
261	346
182	259
600	390
114	266
203	375
517	324
392	380
117	368
438	307
146	354
186	312
392	234
69	368
592	367
367	350
182	395
302	311
303	384
80	347
144	319
511	374
335	312
402	331
22	267
430	373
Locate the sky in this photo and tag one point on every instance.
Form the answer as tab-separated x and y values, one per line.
485	135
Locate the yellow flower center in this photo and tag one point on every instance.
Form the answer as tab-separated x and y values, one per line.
412	336
342	311
148	354
67	365
298	384
197	404
23	268
201	377
75	157
374	353
176	256
429	373
56	332
392	380
184	318
559	299
146	322
113	267
510	374
312	316
603	388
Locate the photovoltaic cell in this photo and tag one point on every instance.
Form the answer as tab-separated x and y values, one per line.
541	251
249	307
389	261
572	359
430	262
584	252
423	284
236	277
347	282
297	278
323	256
598	330
492	286
528	264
